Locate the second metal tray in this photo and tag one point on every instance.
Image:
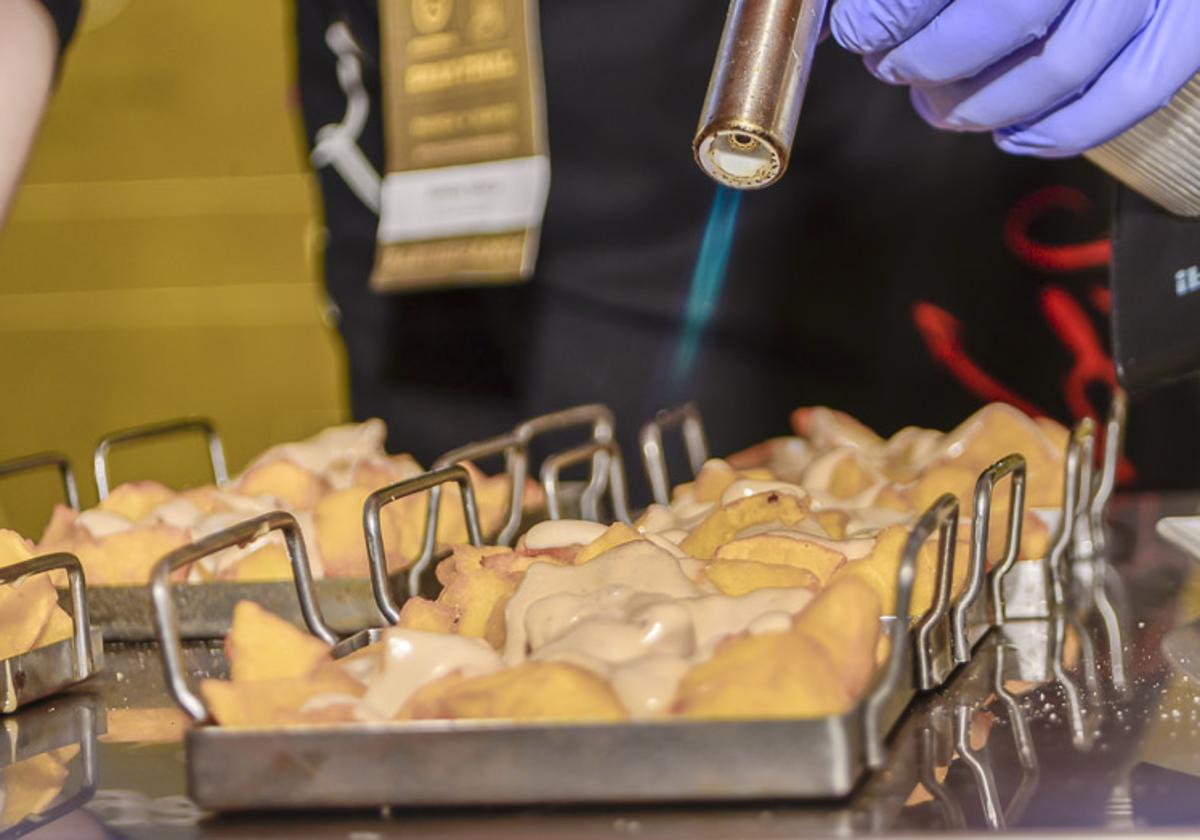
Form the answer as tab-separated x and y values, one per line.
127	614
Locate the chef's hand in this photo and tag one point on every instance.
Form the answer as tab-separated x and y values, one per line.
1050	77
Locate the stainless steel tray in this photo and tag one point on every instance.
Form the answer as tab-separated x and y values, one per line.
52	668
126	614
76	720
439	763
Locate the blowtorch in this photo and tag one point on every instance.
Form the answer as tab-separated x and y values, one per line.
752	109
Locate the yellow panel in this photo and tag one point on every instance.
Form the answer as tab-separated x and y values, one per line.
159	260
174	88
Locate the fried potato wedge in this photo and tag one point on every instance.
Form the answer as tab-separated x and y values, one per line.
724	523
844	620
833	522
827	428
270	562
546	691
25	608
774	675
713	479
262	646
14	548
738	577
280	702
58	627
617	534
338	523
419	613
997	430
880	568
475	597
135	500
285	480
785	549
125	557
30	786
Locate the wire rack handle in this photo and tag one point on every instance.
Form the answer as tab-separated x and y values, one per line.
929	629
942	519
602	424
687	419
167	625
1114	445
605	458
1013	466
41	460
168	428
516	461
373	528
1076	470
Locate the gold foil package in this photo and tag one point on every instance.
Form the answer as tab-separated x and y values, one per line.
464	122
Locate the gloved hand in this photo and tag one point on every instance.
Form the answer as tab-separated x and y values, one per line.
1050	77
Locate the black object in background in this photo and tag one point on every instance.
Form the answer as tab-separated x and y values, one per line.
1156	293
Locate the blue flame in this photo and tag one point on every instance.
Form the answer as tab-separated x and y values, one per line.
708	278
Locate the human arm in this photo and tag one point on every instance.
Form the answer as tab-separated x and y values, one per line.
29	46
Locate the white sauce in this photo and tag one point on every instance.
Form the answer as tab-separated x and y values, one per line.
655	520
819	476
561	533
634	617
744	487
688	512
664	542
789	458
654	570
335	448
409	659
100	523
178	513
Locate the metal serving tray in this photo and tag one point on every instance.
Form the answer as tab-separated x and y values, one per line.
126	613
77	720
52	668
439	763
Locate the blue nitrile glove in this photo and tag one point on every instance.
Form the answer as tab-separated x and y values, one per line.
1049	77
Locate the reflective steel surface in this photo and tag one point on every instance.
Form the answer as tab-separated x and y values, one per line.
1044	731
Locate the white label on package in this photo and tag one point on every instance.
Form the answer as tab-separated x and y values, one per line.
490	197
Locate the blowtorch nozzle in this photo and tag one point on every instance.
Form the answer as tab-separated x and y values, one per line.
753	104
